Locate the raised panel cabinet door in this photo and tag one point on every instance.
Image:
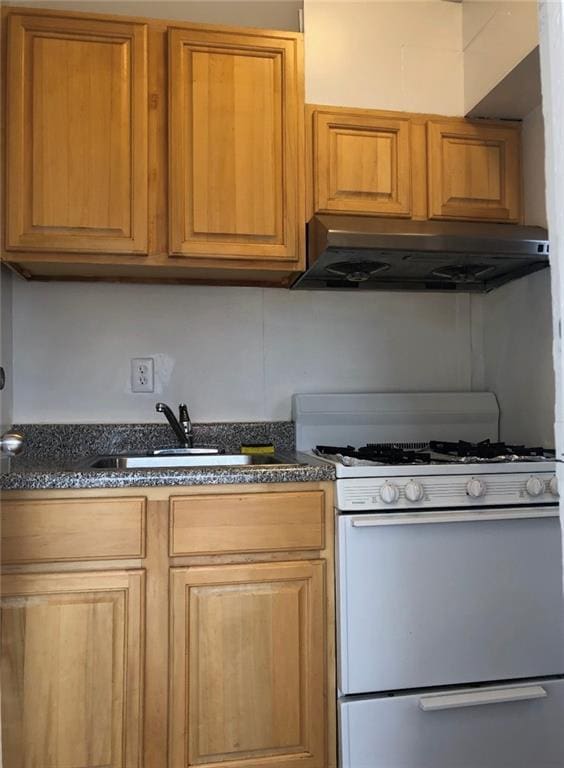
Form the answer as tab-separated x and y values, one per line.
248	665
76	135
474	171
236	145
71	669
361	164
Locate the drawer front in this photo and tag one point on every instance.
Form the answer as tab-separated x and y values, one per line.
73	529
259	522
511	726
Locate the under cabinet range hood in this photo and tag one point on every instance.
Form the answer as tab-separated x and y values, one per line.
366	253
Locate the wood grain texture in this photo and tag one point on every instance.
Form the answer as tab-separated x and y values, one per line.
246	523
361	163
419	169
87	254
474	171
236	154
71	669
66	267
276	597
155	754
67	529
248	665
77	135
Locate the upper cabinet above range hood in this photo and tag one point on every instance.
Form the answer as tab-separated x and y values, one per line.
357	252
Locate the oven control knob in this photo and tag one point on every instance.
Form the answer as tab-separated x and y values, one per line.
389	493
534	486
553	486
476	488
414	491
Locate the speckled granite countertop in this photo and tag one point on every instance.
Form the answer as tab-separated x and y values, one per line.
44	478
54	454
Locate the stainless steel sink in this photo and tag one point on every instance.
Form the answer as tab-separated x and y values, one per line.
173	460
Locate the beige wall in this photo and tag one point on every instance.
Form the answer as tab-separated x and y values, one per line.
518	322
233	354
391	54
496	36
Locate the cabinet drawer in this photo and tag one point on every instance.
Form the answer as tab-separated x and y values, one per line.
258	522
73	529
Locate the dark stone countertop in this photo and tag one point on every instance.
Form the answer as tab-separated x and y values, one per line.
56	456
44	476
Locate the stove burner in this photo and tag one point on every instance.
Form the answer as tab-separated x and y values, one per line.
436	452
486	450
382	454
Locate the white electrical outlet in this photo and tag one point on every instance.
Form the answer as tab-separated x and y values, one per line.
142	374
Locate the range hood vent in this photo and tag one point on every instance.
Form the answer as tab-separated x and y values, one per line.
364	253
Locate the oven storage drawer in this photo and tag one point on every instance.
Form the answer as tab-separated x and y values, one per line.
431	599
517	726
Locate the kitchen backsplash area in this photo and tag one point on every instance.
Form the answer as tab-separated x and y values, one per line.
232	354
238	354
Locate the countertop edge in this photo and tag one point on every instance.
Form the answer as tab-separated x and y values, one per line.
62	479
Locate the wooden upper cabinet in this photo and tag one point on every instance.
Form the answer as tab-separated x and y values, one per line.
474	171
76	135
248	681
72	669
361	163
236	148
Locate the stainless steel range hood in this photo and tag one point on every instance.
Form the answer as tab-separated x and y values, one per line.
365	253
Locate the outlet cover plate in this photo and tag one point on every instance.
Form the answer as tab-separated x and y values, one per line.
142	374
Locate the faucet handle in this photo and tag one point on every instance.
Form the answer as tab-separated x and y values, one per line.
183	415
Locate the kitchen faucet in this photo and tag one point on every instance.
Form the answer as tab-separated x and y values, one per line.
181	426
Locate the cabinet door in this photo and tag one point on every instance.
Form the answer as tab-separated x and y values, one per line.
71	669
474	171
361	163
248	665
77	135
236	154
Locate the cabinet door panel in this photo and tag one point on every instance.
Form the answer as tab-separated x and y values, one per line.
362	164
248	657
473	171
235	150
71	669
77	135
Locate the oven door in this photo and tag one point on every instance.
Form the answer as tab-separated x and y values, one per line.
516	726
442	598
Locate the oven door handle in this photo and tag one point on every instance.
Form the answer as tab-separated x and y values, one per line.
420	518
438	701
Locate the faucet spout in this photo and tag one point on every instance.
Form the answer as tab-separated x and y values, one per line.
183	428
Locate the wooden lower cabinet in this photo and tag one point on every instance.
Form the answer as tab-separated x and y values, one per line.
248	665
71	669
168	629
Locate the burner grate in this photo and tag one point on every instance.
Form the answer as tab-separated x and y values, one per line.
434	452
486	450
380	453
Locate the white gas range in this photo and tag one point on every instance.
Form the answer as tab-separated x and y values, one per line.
450	610
432	451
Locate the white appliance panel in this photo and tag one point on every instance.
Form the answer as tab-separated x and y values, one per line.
449	602
364	493
382	417
501	727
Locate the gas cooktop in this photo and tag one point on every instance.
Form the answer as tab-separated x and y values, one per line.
433	452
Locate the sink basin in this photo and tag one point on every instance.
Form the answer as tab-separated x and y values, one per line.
171	461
